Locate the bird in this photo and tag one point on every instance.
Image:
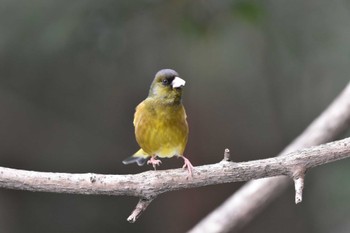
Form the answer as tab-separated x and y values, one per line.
161	128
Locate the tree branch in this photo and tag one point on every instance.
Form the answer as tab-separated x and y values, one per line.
140	207
148	185
253	197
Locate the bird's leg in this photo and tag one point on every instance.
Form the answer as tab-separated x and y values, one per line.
189	165
155	162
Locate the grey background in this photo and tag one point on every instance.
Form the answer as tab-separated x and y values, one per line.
257	72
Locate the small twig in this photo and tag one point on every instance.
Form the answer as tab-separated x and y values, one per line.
227	156
298	178
139	209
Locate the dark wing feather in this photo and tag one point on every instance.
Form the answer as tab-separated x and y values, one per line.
133	159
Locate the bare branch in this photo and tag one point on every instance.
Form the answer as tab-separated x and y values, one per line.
298	178
227	156
139	209
253	197
148	185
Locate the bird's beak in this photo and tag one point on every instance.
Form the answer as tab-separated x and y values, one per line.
178	82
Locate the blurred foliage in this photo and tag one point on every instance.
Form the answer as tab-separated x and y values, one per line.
257	72
252	11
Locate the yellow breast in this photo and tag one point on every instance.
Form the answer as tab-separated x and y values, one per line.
160	129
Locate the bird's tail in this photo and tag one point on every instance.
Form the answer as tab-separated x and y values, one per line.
140	157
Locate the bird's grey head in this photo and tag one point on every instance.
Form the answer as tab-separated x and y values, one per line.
167	83
167	73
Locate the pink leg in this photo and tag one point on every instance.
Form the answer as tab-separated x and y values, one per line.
189	166
155	162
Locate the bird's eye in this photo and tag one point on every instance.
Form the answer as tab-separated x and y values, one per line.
165	82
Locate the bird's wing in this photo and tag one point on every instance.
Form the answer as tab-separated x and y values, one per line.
138	113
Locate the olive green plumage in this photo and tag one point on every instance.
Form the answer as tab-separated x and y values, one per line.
161	129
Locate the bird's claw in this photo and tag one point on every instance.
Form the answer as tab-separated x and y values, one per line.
189	166
154	162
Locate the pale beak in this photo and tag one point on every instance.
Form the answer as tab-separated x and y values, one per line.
178	82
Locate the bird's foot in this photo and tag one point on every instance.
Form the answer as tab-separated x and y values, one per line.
155	162
189	166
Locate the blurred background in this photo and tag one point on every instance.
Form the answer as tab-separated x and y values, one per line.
257	72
